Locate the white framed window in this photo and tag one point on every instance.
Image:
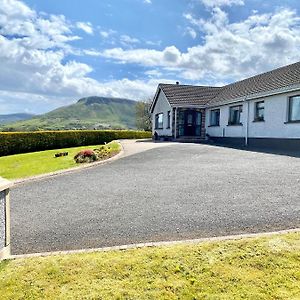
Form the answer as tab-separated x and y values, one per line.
215	117
294	109
259	114
235	115
159	121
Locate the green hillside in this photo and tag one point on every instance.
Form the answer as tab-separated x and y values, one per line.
87	113
6	119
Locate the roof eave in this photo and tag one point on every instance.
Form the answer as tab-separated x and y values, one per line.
284	90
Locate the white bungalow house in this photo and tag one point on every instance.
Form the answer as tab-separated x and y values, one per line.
263	110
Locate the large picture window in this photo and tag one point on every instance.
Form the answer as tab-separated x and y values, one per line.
215	117
159	121
259	111
235	115
294	109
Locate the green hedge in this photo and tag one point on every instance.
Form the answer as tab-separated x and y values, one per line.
22	142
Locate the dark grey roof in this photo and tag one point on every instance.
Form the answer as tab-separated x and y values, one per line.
284	77
188	94
280	78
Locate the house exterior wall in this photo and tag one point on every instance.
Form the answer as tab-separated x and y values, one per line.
162	106
274	125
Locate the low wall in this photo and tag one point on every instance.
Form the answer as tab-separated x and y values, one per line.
4	218
260	143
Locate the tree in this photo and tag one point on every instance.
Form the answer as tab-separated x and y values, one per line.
143	115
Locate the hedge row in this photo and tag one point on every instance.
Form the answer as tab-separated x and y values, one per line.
22	142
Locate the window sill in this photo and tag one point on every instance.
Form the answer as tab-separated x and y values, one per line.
168	128
240	124
159	128
255	121
292	122
213	125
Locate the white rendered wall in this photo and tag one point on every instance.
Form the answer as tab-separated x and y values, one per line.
162	106
275	115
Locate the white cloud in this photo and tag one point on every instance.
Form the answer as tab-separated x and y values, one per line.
214	3
191	32
86	27
230	50
147	1
126	40
107	33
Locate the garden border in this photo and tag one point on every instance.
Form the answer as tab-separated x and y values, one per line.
71	170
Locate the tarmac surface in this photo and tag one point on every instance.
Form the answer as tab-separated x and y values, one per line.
157	192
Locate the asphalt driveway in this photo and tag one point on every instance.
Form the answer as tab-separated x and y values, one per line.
166	192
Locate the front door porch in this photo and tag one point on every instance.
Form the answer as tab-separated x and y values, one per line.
190	123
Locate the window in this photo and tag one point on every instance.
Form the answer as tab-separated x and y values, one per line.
169	119
259	111
215	117
294	109
235	115
159	121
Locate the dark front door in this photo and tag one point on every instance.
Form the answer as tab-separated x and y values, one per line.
189	123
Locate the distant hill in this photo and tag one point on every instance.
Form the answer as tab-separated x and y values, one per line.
5	119
87	113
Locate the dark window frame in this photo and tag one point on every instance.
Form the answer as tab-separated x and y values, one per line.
240	110
290	109
169	119
159	125
217	119
257	109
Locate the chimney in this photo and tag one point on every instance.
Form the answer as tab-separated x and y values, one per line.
177	82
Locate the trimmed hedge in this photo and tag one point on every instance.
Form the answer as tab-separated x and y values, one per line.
22	142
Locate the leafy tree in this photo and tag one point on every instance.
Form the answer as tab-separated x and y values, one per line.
143	115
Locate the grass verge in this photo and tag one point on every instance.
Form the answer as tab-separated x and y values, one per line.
35	163
256	268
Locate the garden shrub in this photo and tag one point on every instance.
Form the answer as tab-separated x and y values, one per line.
85	156
22	142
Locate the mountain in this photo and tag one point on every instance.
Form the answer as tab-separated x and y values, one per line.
87	113
5	119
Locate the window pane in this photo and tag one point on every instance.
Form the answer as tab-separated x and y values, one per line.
215	117
259	110
198	118
295	108
234	115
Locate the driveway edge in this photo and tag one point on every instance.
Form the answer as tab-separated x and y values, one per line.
158	244
70	170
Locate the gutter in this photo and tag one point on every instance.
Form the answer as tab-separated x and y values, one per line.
247	121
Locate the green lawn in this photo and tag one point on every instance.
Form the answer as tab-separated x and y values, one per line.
36	163
257	268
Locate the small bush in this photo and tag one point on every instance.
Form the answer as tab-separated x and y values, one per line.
85	156
22	142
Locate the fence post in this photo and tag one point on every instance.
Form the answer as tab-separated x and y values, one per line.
4	218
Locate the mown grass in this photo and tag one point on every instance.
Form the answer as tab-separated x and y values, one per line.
42	162
259	268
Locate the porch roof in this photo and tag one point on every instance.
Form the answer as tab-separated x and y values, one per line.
179	95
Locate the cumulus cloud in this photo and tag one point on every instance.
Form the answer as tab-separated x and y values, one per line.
230	50
34	66
86	27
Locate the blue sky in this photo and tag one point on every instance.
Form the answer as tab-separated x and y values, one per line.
53	52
